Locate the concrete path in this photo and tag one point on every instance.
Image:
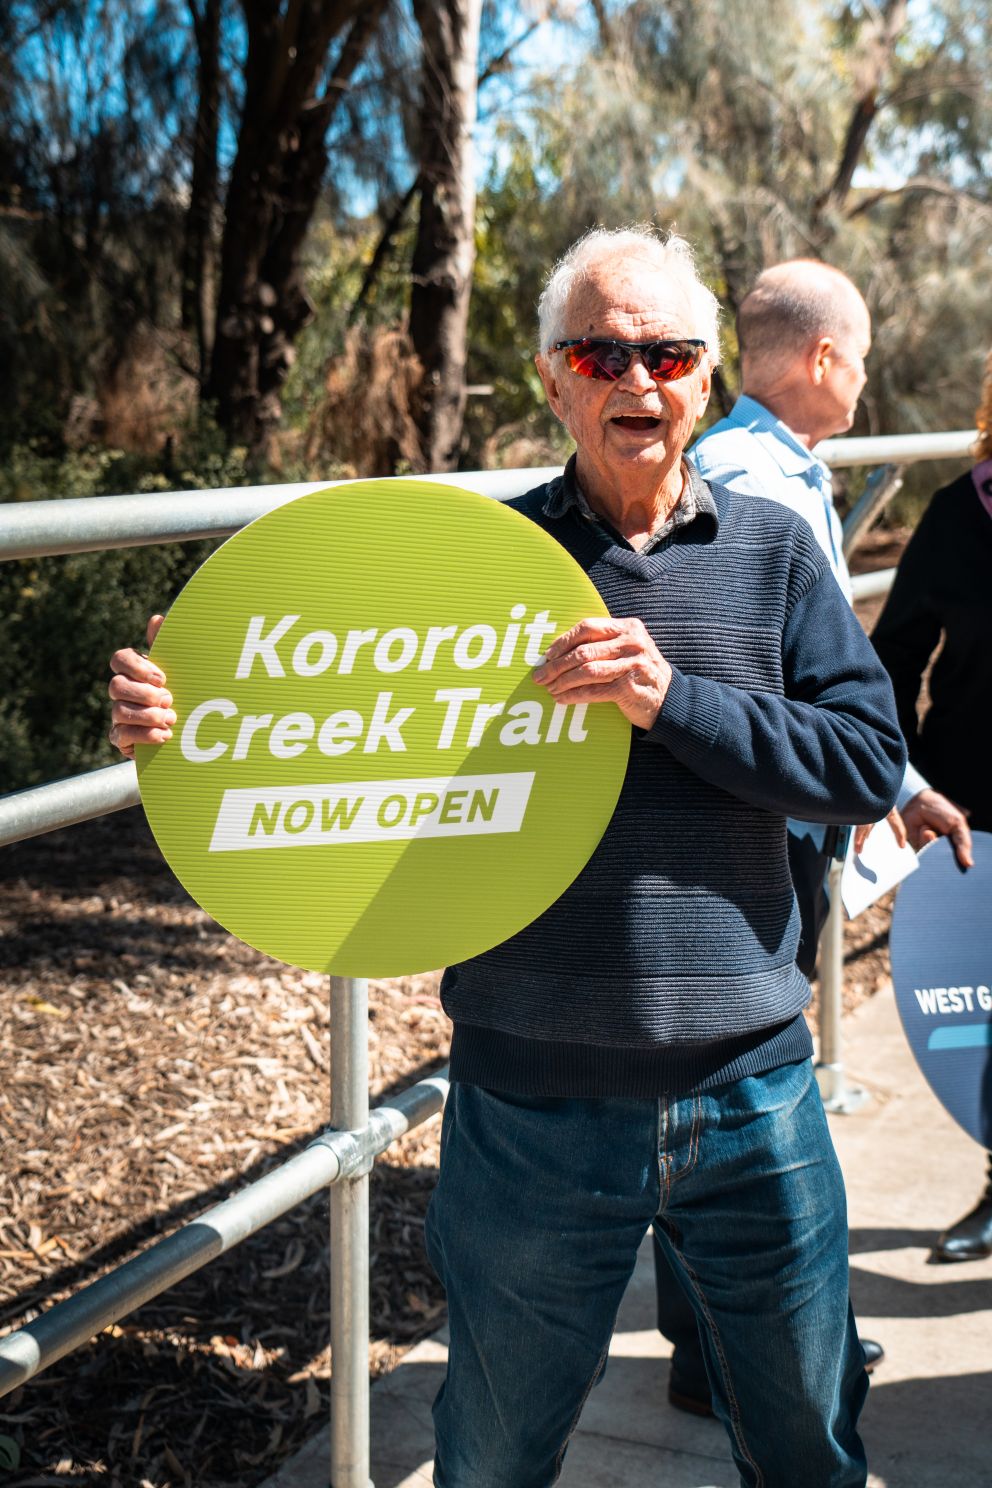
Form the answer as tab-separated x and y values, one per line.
928	1421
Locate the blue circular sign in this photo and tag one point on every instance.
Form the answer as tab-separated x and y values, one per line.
941	950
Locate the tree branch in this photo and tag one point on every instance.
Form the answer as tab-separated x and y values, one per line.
352	51
607	40
883	34
498	64
925	184
389	231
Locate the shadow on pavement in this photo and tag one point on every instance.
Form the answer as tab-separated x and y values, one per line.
929	1433
865	1239
875	1295
926	1433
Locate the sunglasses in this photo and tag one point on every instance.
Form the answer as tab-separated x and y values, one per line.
666	361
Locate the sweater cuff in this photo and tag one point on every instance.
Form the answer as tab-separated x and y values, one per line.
691	713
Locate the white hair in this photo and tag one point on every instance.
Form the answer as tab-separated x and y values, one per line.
670	254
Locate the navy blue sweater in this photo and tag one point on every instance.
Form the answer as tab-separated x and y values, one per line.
670	961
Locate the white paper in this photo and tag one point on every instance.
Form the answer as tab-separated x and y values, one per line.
880	865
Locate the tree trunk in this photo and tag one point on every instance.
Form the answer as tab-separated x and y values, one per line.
275	181
878	47
197	244
444	254
393	224
303	173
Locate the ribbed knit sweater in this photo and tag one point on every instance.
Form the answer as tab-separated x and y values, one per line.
670	961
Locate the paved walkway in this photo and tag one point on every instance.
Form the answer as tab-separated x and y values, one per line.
909	1170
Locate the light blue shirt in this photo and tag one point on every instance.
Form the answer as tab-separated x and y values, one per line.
753	452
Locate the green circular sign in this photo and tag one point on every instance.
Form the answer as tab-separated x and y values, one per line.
363	778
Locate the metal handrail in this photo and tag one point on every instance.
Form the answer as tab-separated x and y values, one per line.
86	524
872	585
330	1158
65	803
896	449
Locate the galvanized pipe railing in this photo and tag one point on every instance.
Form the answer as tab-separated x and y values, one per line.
35	529
882	485
65	803
332	1158
896	449
88	524
350	1405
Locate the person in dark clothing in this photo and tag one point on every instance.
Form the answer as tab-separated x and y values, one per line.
942	596
943	591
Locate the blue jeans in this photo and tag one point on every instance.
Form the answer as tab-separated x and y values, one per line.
534	1229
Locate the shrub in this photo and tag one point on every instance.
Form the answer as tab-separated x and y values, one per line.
60	618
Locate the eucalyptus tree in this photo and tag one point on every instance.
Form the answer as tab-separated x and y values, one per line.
92	110
300	58
858	132
444	254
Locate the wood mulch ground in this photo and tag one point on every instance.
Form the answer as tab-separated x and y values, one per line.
150	1065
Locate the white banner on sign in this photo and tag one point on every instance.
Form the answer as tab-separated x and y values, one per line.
880	865
371	811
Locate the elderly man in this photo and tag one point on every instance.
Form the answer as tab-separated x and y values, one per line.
639	1051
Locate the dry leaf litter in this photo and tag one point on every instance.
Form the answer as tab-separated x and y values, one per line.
151	1065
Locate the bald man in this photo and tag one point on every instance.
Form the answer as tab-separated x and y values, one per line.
804	332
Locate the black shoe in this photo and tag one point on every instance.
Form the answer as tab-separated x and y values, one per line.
695	1399
971	1238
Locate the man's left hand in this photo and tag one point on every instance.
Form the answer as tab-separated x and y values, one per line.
608	661
930	815
924	818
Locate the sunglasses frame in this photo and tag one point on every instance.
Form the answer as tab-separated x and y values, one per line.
645	348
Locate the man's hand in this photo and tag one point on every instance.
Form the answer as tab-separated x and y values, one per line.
608	661
924	818
895	821
930	815
142	711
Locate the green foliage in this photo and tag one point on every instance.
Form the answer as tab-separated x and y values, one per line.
735	125
335	258
62	617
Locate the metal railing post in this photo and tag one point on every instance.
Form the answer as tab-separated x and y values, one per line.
837	1094
350	1406
884	482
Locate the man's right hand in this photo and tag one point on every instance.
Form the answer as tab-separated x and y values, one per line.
142	711
930	815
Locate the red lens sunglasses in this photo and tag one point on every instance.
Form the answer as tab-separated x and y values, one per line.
666	361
